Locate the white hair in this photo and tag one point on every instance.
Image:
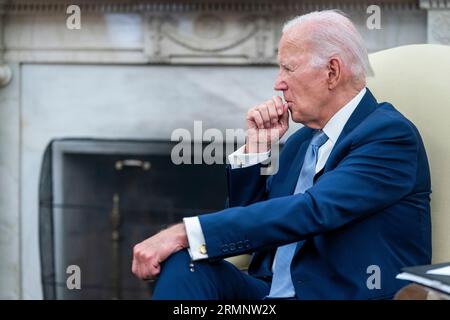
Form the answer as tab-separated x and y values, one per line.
335	34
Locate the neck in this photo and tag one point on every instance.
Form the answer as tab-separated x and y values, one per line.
337	102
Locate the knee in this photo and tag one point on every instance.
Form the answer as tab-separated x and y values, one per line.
178	281
177	263
175	269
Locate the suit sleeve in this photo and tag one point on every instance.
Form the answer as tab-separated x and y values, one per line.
378	170
246	185
238	159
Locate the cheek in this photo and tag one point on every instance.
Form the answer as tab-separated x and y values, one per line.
308	86
317	89
308	89
316	76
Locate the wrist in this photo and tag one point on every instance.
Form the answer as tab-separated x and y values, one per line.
253	146
181	239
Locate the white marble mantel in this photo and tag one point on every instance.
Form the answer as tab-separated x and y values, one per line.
119	75
183	31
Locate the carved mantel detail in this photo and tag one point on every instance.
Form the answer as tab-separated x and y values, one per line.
439	27
210	38
438	20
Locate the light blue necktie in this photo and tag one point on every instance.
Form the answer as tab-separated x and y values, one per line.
282	286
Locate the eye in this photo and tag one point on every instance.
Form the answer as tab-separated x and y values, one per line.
290	68
287	68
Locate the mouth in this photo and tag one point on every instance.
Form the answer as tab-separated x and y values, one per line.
289	103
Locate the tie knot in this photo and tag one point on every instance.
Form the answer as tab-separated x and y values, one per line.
319	139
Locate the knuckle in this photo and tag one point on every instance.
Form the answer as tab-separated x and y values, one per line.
275	106
262	106
273	111
136	249
146	256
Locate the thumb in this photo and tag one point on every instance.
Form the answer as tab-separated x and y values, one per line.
284	119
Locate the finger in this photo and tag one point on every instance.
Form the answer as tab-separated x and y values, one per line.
251	123
284	119
141	262
156	270
278	104
251	120
258	119
151	270
134	267
273	113
139	273
264	112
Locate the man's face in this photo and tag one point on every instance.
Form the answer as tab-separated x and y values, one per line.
304	87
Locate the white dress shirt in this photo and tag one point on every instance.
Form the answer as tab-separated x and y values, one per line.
239	159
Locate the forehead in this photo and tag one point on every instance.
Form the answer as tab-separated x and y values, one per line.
291	47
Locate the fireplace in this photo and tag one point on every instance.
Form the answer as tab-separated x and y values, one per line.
98	198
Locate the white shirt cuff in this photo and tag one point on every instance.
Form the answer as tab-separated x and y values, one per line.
196	239
239	159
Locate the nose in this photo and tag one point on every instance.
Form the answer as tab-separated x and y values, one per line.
280	84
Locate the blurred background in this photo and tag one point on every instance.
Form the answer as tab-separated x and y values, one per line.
90	95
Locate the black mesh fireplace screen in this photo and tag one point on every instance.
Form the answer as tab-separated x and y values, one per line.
98	198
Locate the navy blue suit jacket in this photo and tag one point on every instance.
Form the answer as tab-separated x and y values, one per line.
367	210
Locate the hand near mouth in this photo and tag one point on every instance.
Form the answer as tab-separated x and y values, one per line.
266	124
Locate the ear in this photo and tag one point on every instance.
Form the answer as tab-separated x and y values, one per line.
334	72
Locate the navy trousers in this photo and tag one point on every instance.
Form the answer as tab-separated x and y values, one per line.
219	280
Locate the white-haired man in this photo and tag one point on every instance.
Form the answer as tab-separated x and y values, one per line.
350	198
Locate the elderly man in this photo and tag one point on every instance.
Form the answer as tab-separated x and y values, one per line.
347	209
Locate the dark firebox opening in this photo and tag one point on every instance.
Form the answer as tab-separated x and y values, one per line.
98	198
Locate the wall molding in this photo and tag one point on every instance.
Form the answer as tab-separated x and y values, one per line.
435	4
104	6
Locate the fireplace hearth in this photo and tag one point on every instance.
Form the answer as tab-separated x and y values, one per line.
98	198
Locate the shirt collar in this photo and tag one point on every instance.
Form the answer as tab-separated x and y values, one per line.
334	126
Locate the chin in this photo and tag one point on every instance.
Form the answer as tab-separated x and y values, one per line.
304	121
296	118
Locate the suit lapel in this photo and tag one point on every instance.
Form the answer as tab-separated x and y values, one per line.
296	165
366	106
